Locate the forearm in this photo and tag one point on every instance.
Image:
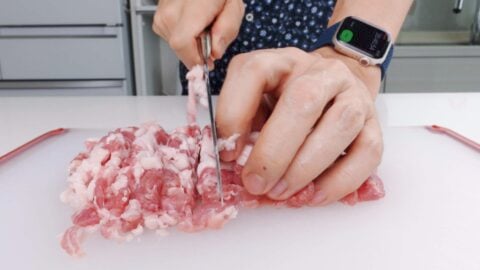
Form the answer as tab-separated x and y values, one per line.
387	14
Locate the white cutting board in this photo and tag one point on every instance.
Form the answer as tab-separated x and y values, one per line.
429	219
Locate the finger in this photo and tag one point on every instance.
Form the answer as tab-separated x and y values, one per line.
166	17
226	26
335	131
248	77
195	17
293	118
262	115
346	175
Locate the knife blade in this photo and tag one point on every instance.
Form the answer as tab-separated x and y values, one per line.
206	49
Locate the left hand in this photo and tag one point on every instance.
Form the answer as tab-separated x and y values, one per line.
323	106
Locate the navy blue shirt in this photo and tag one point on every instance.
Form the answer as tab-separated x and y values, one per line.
272	24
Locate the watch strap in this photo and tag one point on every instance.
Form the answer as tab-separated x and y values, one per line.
326	39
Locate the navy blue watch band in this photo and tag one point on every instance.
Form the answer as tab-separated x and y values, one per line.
326	39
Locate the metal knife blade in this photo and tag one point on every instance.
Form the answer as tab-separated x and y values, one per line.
206	51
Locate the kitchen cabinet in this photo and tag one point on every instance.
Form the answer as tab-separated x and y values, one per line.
64	47
62	88
156	66
60	12
48	54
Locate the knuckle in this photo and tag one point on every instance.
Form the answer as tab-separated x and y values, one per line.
351	117
237	62
157	25
168	16
240	3
294	51
229	32
258	63
164	18
241	7
176	43
374	145
339	66
305	96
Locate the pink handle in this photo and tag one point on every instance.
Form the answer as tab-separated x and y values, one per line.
31	143
455	135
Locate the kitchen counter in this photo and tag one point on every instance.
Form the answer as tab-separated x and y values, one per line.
429	218
23	118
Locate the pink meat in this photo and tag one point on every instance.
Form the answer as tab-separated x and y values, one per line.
71	241
372	189
141	178
130	179
197	92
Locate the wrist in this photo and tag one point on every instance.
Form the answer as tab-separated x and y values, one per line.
369	75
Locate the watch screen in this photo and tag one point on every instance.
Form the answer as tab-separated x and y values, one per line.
363	37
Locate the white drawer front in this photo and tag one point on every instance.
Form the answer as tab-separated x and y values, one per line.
91	54
60	12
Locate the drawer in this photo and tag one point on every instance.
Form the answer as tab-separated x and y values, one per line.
60	12
63	88
61	53
433	74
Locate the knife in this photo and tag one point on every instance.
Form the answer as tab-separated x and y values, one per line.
206	50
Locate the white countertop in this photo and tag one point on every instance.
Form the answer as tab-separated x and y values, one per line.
23	118
429	218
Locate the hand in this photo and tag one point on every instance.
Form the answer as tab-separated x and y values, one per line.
180	22
323	106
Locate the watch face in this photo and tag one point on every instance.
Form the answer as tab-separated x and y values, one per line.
363	37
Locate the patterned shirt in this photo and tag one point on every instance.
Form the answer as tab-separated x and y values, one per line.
272	24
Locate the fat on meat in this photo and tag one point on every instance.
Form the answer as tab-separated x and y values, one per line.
144	178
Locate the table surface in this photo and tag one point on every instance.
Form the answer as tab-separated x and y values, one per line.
429	218
23	118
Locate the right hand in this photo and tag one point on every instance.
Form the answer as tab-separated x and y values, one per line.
180	23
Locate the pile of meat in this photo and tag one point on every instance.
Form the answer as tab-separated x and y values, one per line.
144	178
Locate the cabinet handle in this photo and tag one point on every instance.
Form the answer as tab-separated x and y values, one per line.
56	84
58	32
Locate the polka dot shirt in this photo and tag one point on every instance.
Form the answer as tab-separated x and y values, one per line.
272	24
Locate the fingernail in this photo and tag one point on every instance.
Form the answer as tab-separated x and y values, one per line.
318	198
278	189
255	184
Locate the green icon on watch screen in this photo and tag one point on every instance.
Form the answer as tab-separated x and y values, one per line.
346	35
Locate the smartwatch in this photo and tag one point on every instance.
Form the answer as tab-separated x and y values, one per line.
367	43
